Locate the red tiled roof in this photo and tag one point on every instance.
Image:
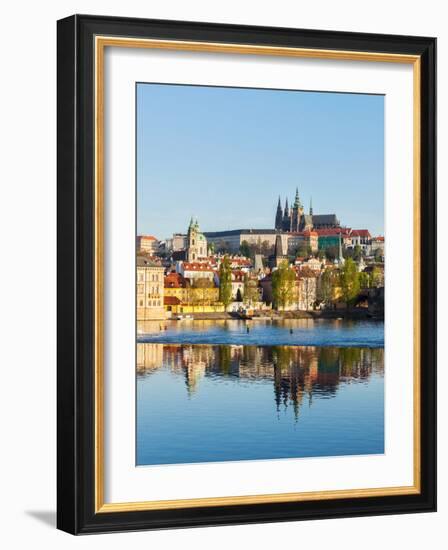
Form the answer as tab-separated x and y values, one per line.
379	238
304	271
146	237
240	261
343	231
196	266
171	301
175	280
361	233
238	275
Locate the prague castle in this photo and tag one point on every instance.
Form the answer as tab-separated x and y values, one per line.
294	219
292	226
292	223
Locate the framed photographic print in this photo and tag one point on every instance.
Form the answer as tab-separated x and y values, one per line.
247	274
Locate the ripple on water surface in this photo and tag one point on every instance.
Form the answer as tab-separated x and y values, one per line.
287	332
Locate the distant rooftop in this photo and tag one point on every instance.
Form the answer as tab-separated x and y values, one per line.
196	266
325	219
212	234
144	262
147	237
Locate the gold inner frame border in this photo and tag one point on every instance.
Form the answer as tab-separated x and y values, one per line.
101	42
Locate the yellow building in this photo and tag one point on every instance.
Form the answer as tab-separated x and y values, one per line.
150	291
175	307
195	295
176	285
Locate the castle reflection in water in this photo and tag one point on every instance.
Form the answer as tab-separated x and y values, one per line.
296	372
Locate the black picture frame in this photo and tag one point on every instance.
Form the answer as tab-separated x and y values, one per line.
76	272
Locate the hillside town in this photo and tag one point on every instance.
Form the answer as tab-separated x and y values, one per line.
306	265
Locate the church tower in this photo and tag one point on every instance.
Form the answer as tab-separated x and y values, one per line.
297	213
196	242
279	216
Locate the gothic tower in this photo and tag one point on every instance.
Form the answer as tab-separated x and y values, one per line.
297	213
279	216
286	222
279	255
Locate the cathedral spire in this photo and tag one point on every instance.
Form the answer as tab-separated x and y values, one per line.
297	199
278	215
311	206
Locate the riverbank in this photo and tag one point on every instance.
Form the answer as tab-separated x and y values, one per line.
354	314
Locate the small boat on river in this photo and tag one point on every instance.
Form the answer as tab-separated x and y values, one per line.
245	313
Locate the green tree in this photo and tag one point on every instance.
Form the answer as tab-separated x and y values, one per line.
357	253
225	282
364	280
326	287
331	252
250	289
222	247
349	281
378	255
303	250
376	277
201	291
266	249
245	249
283	285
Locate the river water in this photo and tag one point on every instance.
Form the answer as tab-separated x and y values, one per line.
212	391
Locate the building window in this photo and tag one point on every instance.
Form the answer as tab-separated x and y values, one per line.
141	303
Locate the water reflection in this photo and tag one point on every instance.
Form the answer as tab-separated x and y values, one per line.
285	332
297	374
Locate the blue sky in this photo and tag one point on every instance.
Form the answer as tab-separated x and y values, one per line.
224	155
